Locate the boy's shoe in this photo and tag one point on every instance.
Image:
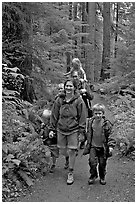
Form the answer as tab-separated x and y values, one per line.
52	169
70	179
102	181
92	180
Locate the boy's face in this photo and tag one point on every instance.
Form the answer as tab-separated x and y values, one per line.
98	114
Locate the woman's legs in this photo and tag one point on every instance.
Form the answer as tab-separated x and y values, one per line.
68	145
64	152
72	157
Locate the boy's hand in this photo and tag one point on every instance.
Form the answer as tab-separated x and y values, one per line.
51	134
110	149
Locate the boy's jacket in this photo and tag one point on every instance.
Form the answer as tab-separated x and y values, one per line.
108	133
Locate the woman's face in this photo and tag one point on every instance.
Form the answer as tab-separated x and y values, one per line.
69	87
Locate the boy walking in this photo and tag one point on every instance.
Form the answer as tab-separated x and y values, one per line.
100	143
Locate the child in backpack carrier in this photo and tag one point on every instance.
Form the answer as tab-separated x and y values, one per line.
77	66
51	142
100	143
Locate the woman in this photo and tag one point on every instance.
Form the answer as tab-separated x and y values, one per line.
68	117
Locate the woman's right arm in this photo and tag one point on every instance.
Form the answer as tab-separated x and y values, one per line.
89	131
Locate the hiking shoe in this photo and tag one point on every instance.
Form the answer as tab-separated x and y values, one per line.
66	166
70	179
52	169
102	181
92	180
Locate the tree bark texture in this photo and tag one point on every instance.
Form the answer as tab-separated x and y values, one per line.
106	42
116	35
91	42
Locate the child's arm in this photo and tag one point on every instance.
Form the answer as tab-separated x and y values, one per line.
84	73
68	73
109	131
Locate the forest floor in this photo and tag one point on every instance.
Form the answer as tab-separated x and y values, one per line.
120	178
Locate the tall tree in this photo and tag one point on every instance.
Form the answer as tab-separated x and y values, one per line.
116	32
84	21
91	41
106	42
70	11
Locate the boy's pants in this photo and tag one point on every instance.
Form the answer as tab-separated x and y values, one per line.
97	157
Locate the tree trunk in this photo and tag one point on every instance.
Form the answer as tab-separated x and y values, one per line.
75	19
106	42
84	21
116	35
68	60
70	10
91	42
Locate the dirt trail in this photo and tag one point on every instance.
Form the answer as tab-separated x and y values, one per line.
120	185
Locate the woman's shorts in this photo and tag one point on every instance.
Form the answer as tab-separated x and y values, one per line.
67	141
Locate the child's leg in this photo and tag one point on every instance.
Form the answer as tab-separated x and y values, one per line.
54	160
102	167
54	156
93	161
52	168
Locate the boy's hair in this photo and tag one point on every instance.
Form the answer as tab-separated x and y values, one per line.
98	107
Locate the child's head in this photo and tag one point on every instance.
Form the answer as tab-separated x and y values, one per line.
98	111
76	63
61	87
46	116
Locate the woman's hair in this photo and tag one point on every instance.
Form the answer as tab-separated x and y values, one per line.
98	107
